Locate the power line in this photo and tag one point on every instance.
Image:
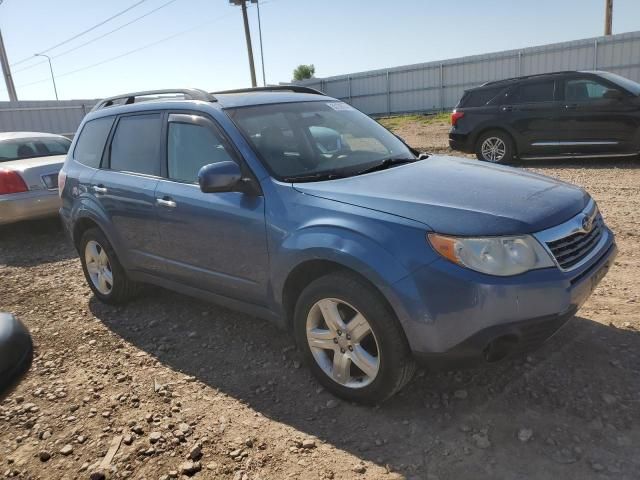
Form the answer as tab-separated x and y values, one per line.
111	59
99	37
83	32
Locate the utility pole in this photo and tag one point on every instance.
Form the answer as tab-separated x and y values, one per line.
608	16
6	70
247	34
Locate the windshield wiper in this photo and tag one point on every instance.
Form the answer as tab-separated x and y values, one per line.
386	163
316	177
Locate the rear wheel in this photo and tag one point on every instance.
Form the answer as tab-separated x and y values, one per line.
495	147
352	342
103	270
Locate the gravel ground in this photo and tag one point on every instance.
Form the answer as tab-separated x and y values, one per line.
170	387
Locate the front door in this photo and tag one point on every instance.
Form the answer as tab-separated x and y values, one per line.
211	241
598	116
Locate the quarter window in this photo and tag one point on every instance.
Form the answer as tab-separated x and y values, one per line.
582	90
90	144
535	92
190	147
136	144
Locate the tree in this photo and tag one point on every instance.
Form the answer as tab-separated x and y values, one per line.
302	72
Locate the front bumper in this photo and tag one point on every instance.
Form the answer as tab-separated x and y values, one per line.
451	315
28	205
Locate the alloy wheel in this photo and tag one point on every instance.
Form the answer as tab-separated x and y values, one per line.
98	267
493	149
342	343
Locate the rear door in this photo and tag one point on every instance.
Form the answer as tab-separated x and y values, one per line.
210	241
598	116
531	109
125	186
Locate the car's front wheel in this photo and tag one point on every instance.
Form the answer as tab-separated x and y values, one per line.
351	339
103	270
495	147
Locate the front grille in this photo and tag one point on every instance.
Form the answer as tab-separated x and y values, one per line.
570	250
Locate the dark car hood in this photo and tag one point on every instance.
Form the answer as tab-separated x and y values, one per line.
459	197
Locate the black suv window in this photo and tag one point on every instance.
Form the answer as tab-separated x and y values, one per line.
90	144
583	90
535	92
136	144
190	147
478	98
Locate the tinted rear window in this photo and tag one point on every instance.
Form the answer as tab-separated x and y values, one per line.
90	144
478	98
136	144
535	92
17	148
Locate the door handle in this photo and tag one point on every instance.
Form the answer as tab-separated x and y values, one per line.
571	106
99	189
507	108
166	202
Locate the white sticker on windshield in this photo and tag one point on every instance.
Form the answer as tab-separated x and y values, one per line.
340	106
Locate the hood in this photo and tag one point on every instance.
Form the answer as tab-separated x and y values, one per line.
457	196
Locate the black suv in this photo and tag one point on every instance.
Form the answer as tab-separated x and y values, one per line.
551	116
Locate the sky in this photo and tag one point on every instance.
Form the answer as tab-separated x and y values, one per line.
200	43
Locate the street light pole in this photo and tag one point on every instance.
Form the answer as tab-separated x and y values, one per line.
264	81
53	78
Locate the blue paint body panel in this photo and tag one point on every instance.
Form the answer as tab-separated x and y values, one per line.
243	247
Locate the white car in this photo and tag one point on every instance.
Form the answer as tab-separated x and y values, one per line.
29	166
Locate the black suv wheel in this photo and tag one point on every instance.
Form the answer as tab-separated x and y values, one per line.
494	146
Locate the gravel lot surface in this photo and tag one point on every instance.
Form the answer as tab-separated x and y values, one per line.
170	387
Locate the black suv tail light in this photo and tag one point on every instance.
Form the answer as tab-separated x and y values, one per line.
455	116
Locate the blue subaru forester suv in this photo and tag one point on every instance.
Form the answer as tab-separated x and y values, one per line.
294	206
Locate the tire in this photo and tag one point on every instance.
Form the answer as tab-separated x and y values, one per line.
386	344
502	151
120	288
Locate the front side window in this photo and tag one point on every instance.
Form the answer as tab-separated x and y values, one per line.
190	147
535	92
91	141
136	144
584	90
30	147
307	140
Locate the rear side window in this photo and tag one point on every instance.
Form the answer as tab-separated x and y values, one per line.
478	98
535	92
90	144
136	144
190	147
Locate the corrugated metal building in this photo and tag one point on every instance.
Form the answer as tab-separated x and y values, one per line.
61	117
435	86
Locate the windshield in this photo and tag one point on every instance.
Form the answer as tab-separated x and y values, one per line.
18	148
309	141
625	83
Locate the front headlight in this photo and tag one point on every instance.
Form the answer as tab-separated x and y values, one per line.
502	256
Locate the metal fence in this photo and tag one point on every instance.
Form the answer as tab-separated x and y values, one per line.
437	86
61	117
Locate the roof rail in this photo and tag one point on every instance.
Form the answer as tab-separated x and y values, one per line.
129	98
276	88
524	77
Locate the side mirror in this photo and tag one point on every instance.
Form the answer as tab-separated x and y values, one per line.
612	94
219	177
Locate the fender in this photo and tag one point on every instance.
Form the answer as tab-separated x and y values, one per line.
340	245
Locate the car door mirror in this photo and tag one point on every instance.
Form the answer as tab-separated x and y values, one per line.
613	94
220	177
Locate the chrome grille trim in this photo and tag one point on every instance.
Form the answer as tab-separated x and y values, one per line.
570	245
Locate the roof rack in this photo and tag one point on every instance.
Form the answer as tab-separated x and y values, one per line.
276	88
524	77
129	98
